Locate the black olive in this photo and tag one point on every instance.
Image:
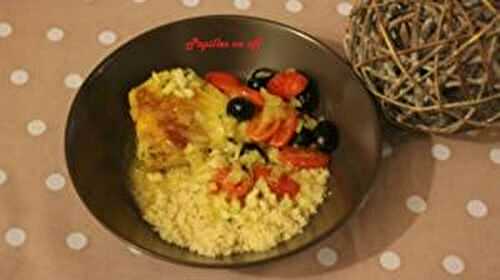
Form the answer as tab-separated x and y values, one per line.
326	136
263	73
247	147
260	77
240	108
304	138
256	84
308	99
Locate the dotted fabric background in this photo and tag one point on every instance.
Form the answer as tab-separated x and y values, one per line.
434	212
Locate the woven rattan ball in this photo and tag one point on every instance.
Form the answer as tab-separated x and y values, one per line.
433	65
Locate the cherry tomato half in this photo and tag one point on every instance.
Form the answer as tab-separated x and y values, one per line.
241	189
303	158
234	189
261	171
252	95
287	84
232	86
285	185
286	131
223	80
260	131
221	179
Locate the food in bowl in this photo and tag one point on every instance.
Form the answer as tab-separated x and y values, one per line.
225	167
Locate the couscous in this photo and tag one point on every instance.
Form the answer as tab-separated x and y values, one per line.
223	167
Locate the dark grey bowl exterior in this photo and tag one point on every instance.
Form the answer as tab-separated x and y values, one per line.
99	132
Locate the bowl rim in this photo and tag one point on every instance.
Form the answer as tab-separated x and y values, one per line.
109	58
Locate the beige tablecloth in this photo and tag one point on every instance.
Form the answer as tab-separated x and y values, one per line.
434	213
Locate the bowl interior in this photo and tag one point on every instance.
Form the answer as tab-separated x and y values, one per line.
99	130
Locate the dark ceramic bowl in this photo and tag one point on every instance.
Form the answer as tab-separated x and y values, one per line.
99	132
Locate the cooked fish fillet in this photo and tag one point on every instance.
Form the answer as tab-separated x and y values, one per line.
171	110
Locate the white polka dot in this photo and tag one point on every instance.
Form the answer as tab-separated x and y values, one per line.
495	155
441	152
191	3
36	127
416	204
477	208
390	260
19	77
453	264
73	80
55	34
139	1
107	37
5	29
242	4
344	8
134	251
55	182
76	241
3	177
386	150
15	237
294	6
327	256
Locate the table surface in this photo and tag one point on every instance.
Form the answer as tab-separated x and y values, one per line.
433	213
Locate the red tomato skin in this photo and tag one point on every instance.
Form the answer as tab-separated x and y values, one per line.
286	131
303	158
287	84
261	132
286	185
233	189
232	86
223	80
252	95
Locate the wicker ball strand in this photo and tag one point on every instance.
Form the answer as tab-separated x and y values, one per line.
432	65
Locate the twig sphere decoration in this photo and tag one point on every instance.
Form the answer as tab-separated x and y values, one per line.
433	65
